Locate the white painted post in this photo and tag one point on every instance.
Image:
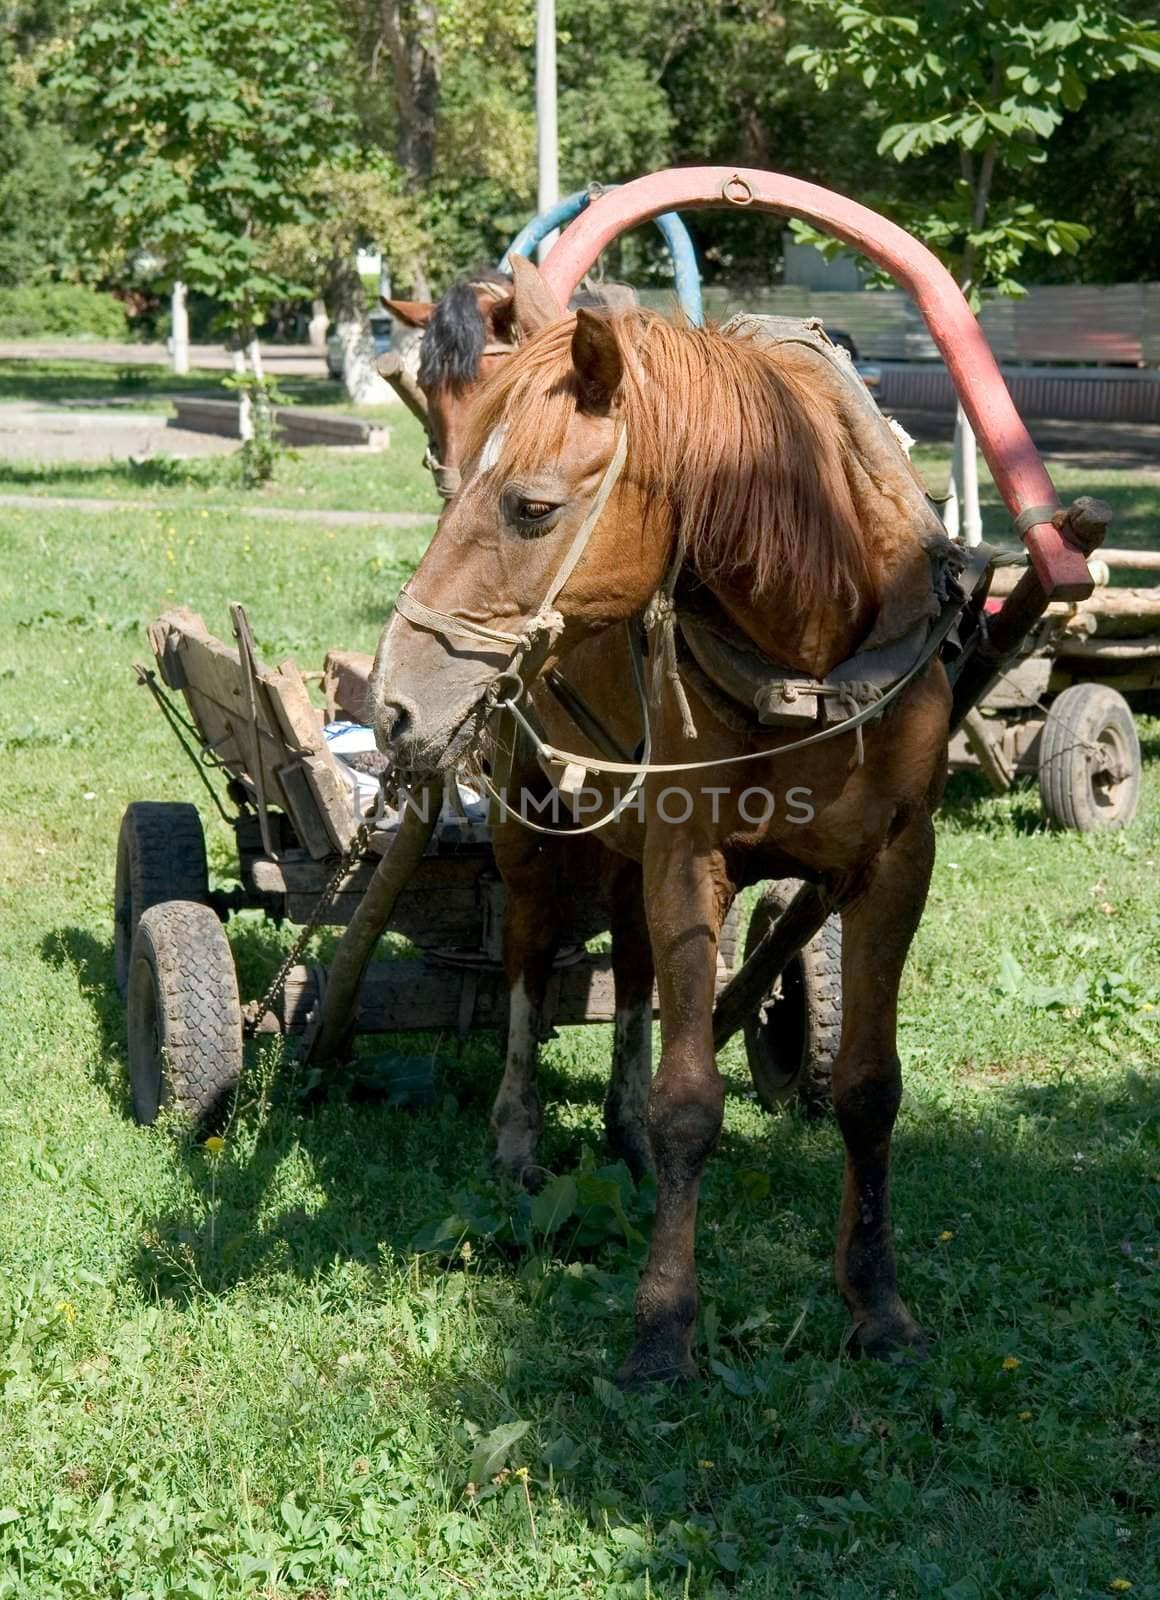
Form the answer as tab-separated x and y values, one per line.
547	144
245	411
179	336
965	479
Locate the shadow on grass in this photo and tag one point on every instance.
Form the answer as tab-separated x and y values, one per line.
970	802
105	477
1022	1231
92	961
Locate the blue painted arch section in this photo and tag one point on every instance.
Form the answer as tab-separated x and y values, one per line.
686	275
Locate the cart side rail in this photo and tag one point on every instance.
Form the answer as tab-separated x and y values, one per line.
276	750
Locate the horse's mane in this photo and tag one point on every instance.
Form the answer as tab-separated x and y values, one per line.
455	334
736	437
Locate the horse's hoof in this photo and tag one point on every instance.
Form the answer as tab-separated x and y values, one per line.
897	1339
651	1369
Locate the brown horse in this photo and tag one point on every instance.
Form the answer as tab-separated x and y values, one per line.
603	451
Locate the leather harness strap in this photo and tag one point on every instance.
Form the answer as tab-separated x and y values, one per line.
547	621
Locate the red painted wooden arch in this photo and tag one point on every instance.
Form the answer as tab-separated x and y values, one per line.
1012	457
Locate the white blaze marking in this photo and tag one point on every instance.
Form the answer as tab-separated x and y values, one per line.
490	452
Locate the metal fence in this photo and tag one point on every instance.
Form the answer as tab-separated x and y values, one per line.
1105	334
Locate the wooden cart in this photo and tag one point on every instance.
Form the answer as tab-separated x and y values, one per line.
305	856
1062	713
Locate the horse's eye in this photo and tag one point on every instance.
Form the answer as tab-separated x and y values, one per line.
528	514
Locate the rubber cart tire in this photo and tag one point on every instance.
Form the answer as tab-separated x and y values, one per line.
160	856
185	1019
793	1037
1089	760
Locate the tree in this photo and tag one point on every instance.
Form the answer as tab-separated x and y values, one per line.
356	203
36	201
987	83
201	122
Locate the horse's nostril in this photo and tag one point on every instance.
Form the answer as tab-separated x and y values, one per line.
394	722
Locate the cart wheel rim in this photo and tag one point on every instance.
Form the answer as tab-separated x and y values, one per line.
1111	769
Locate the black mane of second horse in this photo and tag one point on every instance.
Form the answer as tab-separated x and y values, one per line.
455	336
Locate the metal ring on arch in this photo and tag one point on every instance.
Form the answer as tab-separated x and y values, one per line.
686	274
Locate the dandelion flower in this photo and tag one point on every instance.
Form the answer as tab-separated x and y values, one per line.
1120	1585
945	1236
215	1145
706	1466
1011	1363
1025	1416
67	1310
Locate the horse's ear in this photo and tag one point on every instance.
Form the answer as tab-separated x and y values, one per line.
597	359
535	305
415	313
499	320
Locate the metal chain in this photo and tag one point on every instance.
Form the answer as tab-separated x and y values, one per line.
354	853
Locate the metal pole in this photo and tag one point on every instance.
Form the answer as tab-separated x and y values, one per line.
965	480
547	149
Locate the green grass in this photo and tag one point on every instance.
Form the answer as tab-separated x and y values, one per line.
1133	496
234	1376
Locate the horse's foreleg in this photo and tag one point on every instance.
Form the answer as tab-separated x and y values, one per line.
531	939
685	1103
626	1104
867	1083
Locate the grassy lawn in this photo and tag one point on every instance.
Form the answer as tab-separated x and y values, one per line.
236	1376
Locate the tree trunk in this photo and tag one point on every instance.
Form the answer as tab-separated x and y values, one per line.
363	385
245	409
409	34
319	324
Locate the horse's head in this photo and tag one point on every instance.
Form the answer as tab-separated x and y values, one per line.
548	540
466	335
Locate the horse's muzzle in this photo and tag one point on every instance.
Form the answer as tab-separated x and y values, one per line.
415	746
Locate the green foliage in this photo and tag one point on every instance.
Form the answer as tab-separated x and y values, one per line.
201	124
60	310
261	452
988	84
223	1380
352	201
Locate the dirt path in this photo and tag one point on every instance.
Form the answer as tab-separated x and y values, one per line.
1095	445
37	433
